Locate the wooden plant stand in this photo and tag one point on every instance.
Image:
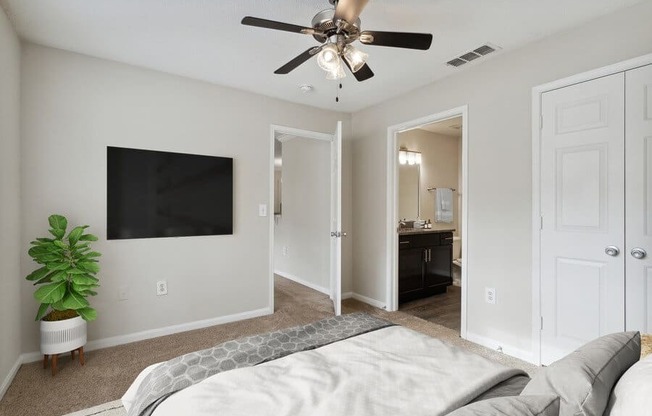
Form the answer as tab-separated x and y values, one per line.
55	358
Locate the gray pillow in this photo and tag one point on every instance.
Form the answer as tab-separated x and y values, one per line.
547	405
584	378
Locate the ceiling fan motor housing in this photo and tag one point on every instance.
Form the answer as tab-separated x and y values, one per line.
323	22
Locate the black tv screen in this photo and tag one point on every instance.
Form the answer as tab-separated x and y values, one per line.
162	194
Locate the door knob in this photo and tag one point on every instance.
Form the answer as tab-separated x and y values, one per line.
612	251
638	253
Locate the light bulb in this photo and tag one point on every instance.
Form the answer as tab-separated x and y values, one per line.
402	157
355	58
411	158
418	158
336	73
329	58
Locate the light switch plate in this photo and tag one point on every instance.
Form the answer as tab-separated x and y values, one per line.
262	210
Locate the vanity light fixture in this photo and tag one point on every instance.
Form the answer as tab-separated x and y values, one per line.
409	157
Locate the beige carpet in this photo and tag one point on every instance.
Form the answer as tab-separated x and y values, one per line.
109	372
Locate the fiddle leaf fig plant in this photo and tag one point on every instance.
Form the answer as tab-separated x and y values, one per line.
68	273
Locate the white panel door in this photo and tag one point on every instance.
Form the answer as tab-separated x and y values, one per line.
336	219
582	204
638	179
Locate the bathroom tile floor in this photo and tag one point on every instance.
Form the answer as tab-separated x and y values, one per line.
444	309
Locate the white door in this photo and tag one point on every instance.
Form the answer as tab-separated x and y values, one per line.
336	219
582	205
638	175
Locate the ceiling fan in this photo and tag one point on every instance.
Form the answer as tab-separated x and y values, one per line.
336	29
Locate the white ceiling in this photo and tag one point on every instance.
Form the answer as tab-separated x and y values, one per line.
204	39
451	127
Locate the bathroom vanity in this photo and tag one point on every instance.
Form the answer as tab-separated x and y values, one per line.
425	262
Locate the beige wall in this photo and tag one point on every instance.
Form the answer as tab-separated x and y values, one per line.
74	106
10	247
304	224
439	168
498	95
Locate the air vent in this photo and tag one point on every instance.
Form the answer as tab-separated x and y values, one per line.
472	55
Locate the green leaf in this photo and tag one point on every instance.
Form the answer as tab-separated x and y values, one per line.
90	255
84	279
89	266
58	222
51	293
60	244
57	233
58	266
38	274
44	240
88	237
59	276
58	306
87	314
74	235
42	310
87	292
74	301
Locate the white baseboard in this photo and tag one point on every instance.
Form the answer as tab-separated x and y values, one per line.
506	349
347	295
303	282
159	332
10	377
369	301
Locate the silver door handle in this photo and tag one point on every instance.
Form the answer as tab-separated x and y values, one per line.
638	253
612	251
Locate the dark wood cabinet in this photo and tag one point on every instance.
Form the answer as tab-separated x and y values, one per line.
424	264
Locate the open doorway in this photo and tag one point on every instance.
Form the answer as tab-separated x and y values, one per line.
427	239
304	253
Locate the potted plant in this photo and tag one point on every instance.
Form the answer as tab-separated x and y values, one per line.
66	279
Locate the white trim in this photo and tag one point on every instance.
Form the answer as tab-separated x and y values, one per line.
303	282
368	301
537	92
10	376
283	130
392	205
347	295
158	332
499	346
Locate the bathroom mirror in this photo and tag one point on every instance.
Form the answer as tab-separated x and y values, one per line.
408	190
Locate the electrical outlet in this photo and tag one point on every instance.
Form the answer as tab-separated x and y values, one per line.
285	250
490	295
262	210
161	288
123	293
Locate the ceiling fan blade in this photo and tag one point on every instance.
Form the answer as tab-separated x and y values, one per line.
272	24
349	10
362	74
407	40
285	69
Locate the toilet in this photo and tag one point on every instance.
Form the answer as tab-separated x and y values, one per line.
457	251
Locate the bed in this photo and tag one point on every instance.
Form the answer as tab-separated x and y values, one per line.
358	364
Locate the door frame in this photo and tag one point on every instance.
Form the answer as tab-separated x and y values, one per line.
290	131
392	204
537	124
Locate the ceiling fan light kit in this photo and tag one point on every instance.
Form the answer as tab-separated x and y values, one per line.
336	29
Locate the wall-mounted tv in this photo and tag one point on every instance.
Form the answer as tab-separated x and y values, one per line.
162	194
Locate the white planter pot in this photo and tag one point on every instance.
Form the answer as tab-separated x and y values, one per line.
62	336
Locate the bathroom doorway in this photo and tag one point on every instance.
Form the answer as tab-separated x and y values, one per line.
427	168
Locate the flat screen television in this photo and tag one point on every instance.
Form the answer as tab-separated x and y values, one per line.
162	194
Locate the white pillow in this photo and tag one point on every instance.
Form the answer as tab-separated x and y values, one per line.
632	394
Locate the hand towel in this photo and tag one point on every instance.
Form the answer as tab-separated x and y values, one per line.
444	205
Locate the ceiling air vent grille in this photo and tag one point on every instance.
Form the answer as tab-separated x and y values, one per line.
472	55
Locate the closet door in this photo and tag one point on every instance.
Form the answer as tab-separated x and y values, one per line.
638	173
582	204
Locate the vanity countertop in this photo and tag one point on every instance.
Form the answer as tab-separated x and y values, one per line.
402	231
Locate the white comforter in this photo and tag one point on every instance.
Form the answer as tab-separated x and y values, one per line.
391	371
